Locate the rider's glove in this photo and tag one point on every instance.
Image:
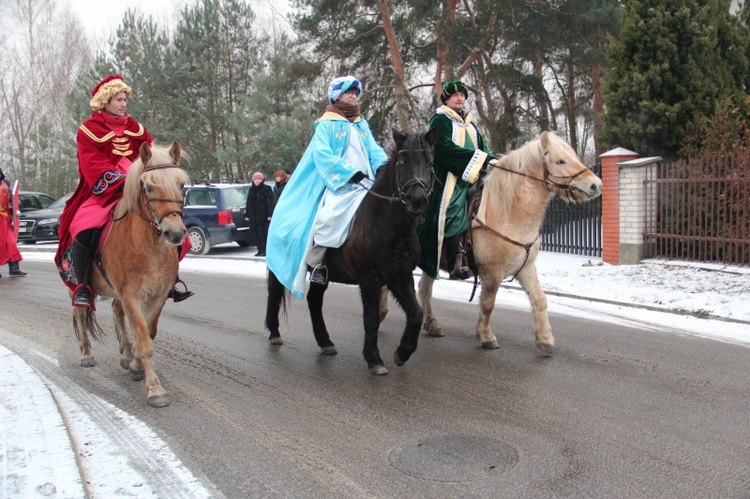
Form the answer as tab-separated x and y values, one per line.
357	177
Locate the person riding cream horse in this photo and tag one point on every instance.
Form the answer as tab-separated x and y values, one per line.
460	156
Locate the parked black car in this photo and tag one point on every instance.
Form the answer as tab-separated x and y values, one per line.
28	201
41	225
215	214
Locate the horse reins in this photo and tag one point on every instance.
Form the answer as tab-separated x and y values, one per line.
402	190
549	184
547	180
156	221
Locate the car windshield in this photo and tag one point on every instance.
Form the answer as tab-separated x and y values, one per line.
235	197
60	202
29	201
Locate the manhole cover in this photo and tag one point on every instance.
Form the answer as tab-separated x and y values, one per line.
453	458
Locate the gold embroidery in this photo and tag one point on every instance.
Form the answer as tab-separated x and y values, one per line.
120	139
93	137
119	153
135	134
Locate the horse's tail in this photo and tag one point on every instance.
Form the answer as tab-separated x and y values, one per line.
91	324
277	300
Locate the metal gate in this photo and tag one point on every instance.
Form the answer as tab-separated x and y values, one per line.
574	228
700	210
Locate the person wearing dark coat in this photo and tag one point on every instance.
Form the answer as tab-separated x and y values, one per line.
281	177
258	211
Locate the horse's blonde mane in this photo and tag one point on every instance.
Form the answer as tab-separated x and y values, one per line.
500	186
169	179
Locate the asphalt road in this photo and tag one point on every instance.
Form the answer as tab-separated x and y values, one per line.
616	412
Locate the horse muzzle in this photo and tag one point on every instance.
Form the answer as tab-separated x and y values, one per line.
173	230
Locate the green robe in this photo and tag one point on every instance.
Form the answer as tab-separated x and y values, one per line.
460	154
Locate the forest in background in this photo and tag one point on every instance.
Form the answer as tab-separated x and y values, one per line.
242	95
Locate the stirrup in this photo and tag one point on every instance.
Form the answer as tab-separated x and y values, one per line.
179	295
462	274
83	297
319	274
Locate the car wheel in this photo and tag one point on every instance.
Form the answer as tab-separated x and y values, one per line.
199	241
243	244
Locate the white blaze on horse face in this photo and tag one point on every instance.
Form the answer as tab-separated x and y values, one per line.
564	165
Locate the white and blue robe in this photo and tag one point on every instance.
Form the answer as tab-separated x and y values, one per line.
321	182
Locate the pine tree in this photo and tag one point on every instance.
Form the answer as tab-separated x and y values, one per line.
671	62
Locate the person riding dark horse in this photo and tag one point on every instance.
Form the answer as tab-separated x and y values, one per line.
321	197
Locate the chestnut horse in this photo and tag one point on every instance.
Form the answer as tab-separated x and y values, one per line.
505	231
382	250
139	263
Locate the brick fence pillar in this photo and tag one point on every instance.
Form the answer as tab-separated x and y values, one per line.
611	202
633	223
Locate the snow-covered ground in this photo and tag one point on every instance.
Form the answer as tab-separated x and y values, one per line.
37	458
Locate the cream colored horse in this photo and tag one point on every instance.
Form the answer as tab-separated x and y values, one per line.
505	232
139	262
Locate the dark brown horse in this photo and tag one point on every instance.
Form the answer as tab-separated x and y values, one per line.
382	250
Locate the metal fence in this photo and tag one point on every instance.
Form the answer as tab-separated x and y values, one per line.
574	229
699	210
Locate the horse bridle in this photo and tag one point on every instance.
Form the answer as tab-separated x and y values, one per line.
550	184
403	190
155	220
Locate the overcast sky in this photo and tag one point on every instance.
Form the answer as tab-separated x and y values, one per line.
101	18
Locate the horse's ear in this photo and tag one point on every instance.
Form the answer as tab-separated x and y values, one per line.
544	141
431	136
145	153
399	138
174	151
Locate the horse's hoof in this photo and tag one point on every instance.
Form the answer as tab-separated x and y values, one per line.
125	363
491	345
546	350
397	359
435	332
158	401
276	340
88	362
378	370
330	350
136	375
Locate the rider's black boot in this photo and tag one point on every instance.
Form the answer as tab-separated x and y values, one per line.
179	295
456	258
83	296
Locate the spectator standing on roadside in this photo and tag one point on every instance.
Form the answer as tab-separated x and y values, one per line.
8	248
281	177
258	211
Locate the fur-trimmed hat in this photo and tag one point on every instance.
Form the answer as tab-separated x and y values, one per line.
259	176
106	89
451	87
340	85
